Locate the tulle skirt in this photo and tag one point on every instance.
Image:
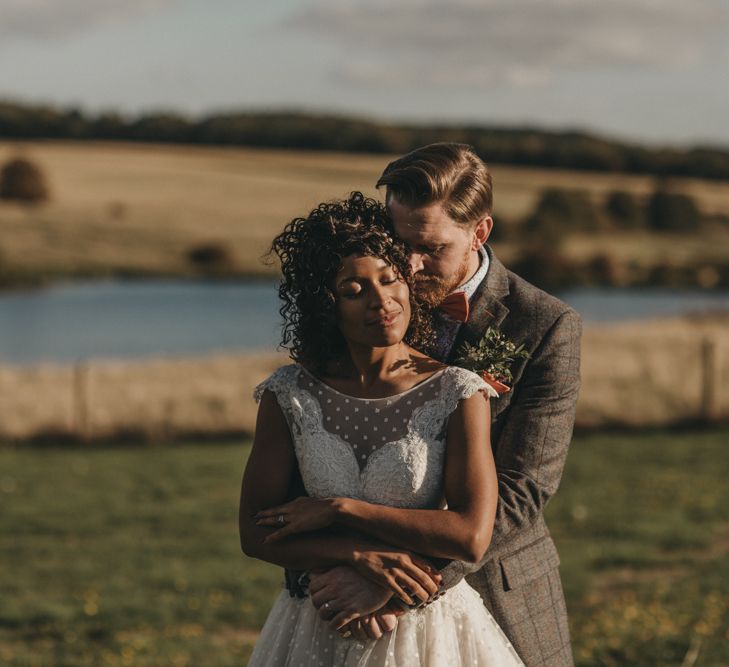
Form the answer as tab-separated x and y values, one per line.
455	630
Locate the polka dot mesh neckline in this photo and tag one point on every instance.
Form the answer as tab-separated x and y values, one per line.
367	424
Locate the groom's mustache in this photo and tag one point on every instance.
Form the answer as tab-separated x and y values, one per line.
431	289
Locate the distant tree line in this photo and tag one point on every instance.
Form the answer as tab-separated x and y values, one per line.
518	146
560	212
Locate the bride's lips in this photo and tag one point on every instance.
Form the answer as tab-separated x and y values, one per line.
385	320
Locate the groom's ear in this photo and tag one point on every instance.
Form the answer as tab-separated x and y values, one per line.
481	231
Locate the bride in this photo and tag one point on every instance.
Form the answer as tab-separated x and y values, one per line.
393	451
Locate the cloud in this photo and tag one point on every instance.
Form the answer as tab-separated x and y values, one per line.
40	20
513	42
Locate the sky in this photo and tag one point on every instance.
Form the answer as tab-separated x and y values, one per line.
652	71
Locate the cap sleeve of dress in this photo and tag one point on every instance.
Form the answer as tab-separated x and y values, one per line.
460	384
281	382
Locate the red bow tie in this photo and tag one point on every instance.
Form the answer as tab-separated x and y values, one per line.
455	305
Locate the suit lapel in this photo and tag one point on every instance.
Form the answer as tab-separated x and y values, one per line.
487	307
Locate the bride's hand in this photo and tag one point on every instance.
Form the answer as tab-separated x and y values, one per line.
298	516
342	595
407	576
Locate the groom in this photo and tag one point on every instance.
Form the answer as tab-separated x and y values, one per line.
440	199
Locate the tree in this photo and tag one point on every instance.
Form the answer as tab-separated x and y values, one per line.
625	210
560	212
545	267
672	211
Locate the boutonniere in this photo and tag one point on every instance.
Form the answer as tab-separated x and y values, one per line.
492	358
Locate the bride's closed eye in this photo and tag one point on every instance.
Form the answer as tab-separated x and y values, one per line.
350	290
354	290
390	276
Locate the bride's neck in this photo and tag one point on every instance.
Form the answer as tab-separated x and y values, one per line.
369	365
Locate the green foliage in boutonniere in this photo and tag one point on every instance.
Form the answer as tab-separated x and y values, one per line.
494	355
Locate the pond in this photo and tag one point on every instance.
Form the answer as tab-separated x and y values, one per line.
115	319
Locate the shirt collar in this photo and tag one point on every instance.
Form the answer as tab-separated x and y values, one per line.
471	285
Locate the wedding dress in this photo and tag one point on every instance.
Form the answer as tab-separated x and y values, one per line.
389	451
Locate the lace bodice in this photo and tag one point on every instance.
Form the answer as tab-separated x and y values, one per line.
386	450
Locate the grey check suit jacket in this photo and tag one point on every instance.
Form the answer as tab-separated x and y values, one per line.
518	578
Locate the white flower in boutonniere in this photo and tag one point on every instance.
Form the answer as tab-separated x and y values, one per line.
492	358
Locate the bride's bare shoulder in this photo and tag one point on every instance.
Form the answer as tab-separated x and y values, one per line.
422	365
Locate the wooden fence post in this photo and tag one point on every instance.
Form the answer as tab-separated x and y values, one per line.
710	380
81	399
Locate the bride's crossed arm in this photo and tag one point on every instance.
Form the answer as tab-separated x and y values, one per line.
270	468
462	531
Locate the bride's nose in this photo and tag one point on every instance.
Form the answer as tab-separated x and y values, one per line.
379	297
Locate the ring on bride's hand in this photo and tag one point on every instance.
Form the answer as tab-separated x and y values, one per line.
281	519
346	634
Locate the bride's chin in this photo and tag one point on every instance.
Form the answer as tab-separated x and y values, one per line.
389	339
388	342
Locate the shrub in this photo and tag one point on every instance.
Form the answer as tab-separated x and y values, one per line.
211	258
560	212
668	274
546	267
625	210
604	270
672	211
22	180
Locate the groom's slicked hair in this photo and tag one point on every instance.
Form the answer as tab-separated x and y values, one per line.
446	173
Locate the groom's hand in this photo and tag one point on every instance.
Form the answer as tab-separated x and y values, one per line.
342	595
375	625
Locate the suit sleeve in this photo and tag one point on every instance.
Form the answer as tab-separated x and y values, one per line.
532	446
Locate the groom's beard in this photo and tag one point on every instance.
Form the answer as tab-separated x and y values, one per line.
433	289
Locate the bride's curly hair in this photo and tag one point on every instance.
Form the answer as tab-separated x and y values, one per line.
311	251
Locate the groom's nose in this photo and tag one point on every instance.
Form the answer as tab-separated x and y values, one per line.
416	262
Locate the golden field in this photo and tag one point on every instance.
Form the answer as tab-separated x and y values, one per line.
636	375
137	209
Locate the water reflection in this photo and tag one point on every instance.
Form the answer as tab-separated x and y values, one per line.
175	317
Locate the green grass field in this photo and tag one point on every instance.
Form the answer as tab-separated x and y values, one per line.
130	556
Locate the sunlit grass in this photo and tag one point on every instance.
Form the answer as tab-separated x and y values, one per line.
642	526
130	556
120	550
